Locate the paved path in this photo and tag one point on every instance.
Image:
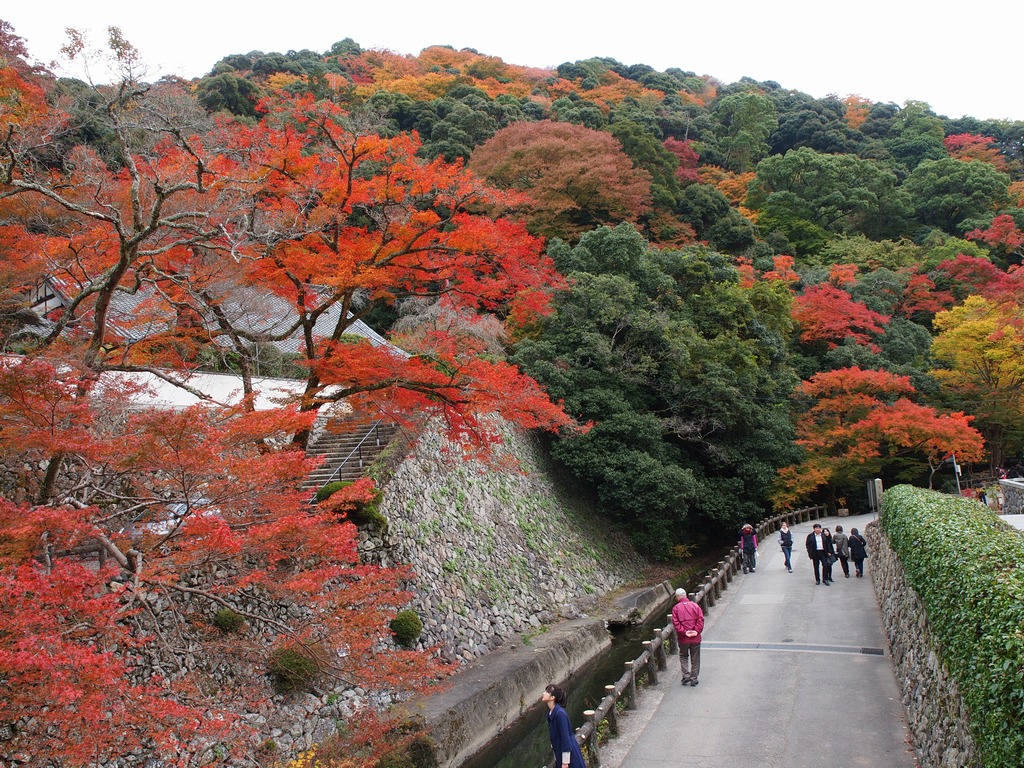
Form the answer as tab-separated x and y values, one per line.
793	675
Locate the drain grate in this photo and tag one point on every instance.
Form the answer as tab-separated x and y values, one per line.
793	648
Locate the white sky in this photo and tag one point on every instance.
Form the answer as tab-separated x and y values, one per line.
959	59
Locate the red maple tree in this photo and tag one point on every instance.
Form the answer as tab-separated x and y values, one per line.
827	313
1002	235
123	533
922	296
970	146
688	158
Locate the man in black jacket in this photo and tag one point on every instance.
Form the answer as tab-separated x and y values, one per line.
818	548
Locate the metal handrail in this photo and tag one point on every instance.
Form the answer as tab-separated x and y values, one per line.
374	430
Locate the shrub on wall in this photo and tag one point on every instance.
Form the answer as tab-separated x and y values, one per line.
407	628
292	669
967	567
227	620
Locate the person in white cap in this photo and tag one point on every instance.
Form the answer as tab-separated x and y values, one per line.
688	619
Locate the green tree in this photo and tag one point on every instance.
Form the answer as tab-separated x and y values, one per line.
746	120
837	193
915	134
868	254
228	92
453	126
947	193
708	211
646	151
685	382
574	109
817	124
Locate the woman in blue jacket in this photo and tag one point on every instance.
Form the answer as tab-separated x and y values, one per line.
563	739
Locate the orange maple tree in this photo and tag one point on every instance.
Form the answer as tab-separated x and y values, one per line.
580	178
181	241
856	421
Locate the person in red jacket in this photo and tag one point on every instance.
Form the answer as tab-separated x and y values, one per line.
748	547
688	619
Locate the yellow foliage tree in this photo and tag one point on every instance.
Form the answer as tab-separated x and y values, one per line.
979	353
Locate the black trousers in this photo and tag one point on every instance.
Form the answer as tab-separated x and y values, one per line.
820	559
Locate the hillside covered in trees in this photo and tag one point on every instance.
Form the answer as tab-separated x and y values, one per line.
723	243
715	299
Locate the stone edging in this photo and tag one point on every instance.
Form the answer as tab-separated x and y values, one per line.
937	717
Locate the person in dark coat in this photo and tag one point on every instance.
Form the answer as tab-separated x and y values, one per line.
748	547
563	739
826	563
841	542
858	550
819	548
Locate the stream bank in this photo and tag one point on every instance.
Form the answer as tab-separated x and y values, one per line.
491	694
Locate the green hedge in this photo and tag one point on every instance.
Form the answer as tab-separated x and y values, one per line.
967	566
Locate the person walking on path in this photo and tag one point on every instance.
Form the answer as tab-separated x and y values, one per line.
826	563
563	739
688	619
786	542
858	550
748	545
842	544
819	548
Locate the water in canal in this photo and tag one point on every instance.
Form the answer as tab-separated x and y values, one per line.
526	744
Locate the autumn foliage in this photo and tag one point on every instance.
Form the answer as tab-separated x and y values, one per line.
854	419
827	313
579	178
126	530
155	562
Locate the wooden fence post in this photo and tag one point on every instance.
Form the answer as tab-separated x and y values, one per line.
709	590
631	685
594	746
613	712
659	645
673	641
652	666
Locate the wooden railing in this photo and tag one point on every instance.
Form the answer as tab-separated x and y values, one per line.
654	659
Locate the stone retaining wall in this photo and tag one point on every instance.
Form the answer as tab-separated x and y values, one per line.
1013	496
937	718
499	551
462	722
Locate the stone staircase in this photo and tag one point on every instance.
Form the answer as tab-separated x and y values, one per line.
348	449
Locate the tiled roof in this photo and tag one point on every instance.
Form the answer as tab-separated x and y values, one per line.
135	316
